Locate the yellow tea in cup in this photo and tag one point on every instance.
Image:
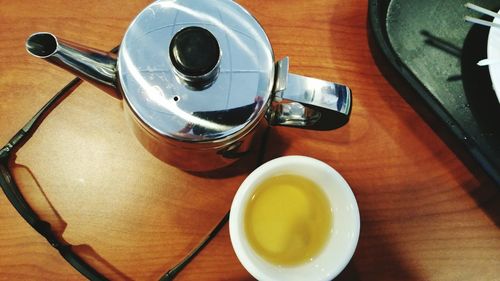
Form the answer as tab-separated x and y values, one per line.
288	220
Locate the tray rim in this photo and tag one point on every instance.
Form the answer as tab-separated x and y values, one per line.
377	28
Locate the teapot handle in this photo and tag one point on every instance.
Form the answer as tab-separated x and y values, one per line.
311	103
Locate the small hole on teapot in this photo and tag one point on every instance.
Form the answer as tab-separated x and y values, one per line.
176	98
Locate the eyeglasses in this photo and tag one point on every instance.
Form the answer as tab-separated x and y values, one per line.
15	196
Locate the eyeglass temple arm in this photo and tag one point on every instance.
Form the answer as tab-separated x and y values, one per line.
12	192
25	133
172	273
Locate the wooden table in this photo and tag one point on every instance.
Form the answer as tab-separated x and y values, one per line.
428	212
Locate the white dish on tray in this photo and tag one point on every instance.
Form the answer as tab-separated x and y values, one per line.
494	54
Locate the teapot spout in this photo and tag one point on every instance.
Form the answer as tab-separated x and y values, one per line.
94	66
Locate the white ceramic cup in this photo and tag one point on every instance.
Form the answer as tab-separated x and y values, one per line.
341	243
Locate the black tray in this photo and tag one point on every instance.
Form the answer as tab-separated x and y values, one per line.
431	46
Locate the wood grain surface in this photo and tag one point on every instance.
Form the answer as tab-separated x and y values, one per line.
427	211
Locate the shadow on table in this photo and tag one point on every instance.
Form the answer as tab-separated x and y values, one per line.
39	201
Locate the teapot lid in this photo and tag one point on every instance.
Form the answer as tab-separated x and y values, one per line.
196	70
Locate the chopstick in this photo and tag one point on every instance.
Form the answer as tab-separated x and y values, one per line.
482	22
482	11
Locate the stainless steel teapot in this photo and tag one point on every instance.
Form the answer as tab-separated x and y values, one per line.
199	79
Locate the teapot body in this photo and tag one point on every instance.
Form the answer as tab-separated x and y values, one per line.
200	157
196	78
199	82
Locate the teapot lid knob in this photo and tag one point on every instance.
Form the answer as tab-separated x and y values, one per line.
195	54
